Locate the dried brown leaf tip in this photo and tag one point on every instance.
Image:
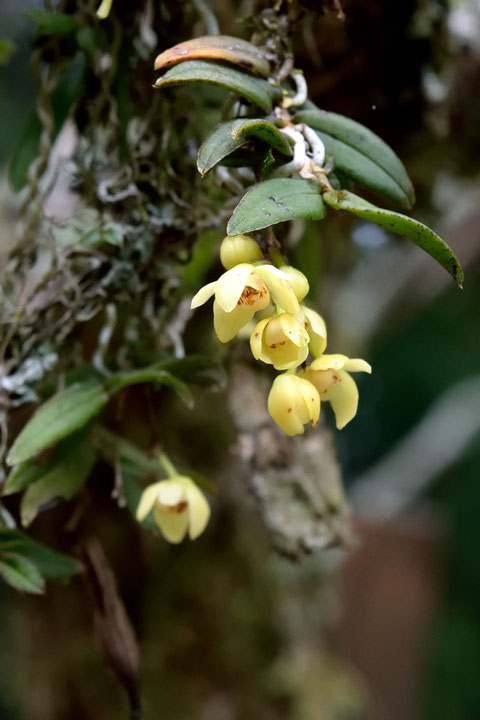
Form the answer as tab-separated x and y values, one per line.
216	47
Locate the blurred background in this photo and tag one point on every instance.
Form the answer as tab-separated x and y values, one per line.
390	628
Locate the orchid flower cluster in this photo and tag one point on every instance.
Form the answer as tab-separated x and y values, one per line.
284	335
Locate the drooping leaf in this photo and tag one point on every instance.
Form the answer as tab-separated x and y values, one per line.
261	129
64	413
151	374
257	90
61	480
64	96
275	201
412	229
216	146
21	573
227	137
21	476
362	170
52	23
51	564
246	156
357	136
216	47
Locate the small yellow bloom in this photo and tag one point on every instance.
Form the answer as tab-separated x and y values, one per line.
330	375
293	402
178	507
280	341
104	9
241	292
314	324
298	281
236	249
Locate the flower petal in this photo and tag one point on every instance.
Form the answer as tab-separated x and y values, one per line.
171	492
231	284
288	356
294	331
198	510
328	362
357	365
297	280
312	399
256	339
227	324
204	294
282	401
317	331
280	289
343	396
172	525
147	500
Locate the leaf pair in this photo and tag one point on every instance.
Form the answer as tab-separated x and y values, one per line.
278	200
71	409
25	564
200	60
360	154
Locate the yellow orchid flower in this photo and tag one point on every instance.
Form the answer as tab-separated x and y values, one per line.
330	375
314	324
241	292
236	249
293	402
104	9
298	281
178	507
280	341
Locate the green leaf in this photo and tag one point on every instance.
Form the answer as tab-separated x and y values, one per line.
415	231
60	481
51	564
216	47
217	145
275	201
363	171
65	412
203	253
261	129
21	476
258	91
152	374
353	134
7	49
52	23
227	137
24	153
67	92
21	574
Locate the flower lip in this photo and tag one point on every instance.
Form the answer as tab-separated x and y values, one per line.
178	506
280	341
292	403
330	374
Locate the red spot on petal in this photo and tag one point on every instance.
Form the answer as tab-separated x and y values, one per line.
289	410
